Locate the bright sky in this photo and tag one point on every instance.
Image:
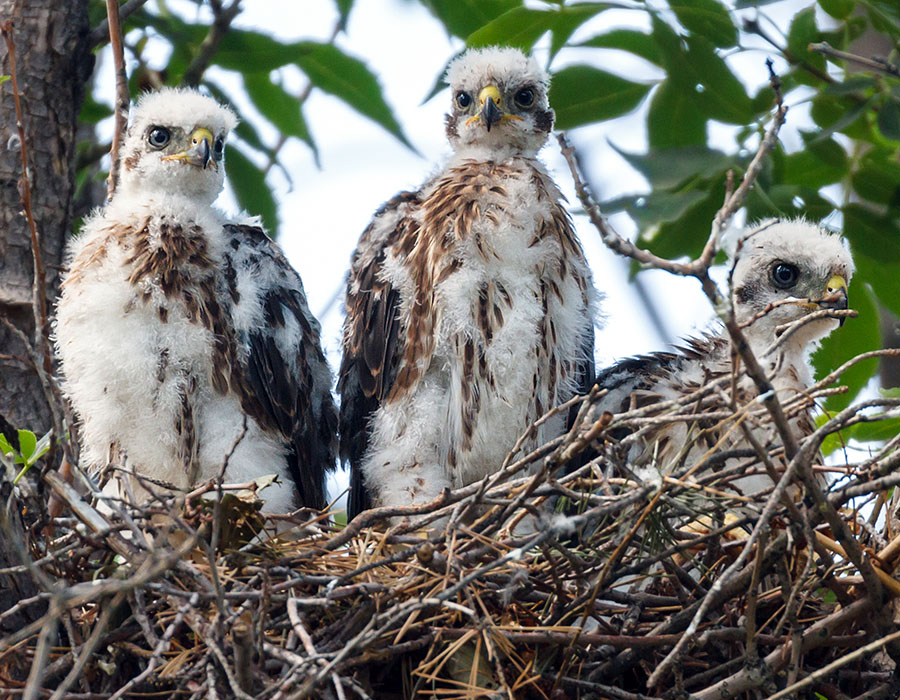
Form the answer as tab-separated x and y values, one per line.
323	211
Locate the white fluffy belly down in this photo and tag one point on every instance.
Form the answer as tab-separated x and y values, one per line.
141	386
482	391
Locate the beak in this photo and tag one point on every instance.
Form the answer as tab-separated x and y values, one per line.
835	296
491	106
200	152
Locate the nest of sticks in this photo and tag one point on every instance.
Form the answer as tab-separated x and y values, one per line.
563	575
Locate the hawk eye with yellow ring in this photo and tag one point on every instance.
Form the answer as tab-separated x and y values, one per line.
784	275
219	148
158	136
525	98
463	99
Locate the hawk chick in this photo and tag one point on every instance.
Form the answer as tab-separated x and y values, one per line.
470	306
185	338
782	271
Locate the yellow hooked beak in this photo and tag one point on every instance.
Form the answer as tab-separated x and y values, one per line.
835	296
490	104
200	152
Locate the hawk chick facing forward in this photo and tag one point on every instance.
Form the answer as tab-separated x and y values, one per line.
470	306
183	337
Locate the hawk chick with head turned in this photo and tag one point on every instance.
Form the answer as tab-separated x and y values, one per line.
470	306
783	270
185	338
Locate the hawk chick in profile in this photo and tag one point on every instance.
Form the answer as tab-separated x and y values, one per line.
470	306
782	271
184	338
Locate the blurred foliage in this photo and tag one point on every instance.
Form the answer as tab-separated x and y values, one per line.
846	167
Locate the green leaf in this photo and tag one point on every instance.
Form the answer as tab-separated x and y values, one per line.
877	178
852	85
884	15
667	167
708	18
875	241
884	279
839	9
787	201
39	450
744	4
802	33
247	51
674	120
343	8
652	209
840	115
856	336
878	430
520	27
250	189
348	78
638	43
723	96
279	107
824	162
687	234
699	75
872	234
5	447
582	95
568	19
889	119
27	443
462	17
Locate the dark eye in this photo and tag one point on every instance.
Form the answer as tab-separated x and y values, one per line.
785	276
159	136
525	97
463	99
219	147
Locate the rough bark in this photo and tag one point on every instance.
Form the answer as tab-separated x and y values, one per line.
53	63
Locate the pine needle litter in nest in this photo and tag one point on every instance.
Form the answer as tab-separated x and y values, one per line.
531	584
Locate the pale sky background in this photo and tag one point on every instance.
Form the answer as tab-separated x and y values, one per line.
324	210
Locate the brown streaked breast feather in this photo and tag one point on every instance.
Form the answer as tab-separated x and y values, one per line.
95	252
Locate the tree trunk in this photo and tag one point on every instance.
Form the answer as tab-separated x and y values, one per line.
53	61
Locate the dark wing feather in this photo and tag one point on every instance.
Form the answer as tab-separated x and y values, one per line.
638	381
372	340
283	379
584	373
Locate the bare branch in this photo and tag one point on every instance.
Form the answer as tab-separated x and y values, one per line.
223	17
122	98
876	63
101	33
